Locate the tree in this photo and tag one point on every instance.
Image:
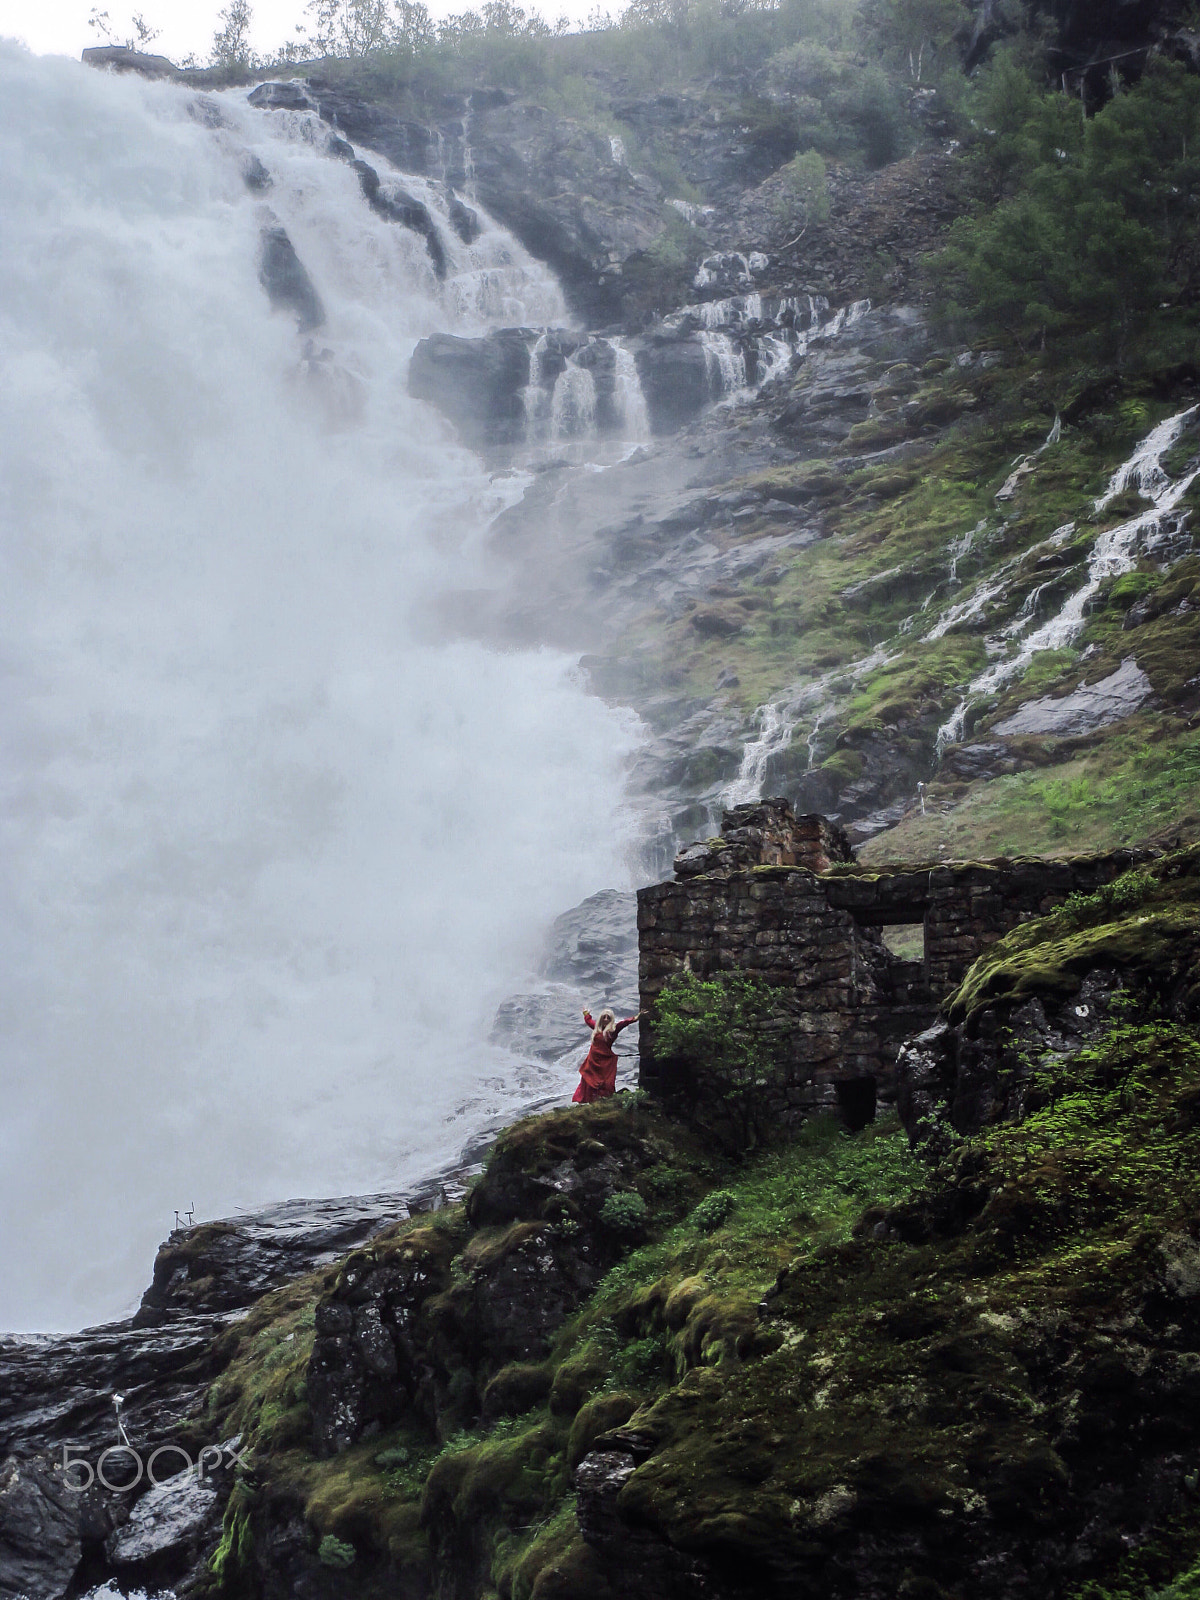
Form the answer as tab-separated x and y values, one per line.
142	36
727	1033
914	31
806	198
231	42
1097	230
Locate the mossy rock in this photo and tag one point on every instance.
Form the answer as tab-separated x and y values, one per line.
516	1389
577	1379
598	1417
1146	924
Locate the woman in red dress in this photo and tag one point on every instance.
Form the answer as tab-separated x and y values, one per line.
598	1074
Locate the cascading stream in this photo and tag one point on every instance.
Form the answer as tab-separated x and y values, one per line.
1114	552
275	842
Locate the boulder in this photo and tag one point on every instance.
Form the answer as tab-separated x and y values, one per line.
288	95
169	1521
284	277
40	1545
477	383
397	205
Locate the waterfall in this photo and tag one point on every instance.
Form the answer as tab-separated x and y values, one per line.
1114	552
276	840
775	733
573	403
616	146
468	153
630	401
725	361
777	720
962	546
534	397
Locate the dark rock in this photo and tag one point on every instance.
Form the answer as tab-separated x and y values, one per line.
225	1266
478	383
123	59
283	95
254	175
40	1545
397	205
283	276
463	220
675	378
168	1522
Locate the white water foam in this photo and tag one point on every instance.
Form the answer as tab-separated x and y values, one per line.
1114	552
631	402
275	843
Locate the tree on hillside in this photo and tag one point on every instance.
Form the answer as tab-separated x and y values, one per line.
1098	231
727	1033
361	28
231	42
914	31
142	36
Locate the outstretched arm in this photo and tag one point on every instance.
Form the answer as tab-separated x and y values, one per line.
588	1018
624	1024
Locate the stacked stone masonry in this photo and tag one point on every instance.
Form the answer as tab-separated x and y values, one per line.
780	896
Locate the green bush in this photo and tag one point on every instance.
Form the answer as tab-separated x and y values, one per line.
624	1213
335	1552
713	1210
727	1032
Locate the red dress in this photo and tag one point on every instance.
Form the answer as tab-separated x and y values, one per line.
598	1074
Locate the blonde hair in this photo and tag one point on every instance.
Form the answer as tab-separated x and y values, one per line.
606	1023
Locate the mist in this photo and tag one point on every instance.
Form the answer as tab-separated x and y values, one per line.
274	845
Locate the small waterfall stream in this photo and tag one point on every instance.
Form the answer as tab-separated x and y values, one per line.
1114	552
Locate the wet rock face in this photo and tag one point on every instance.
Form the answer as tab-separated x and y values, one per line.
40	1544
591	960
404	1334
477	383
284	277
1091	706
397	205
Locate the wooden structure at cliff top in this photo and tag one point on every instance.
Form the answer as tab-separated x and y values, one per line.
782	897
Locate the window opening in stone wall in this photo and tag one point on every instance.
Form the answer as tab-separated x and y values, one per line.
906	940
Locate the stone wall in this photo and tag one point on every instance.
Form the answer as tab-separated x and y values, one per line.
780	896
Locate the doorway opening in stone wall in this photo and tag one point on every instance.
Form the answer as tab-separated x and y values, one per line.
905	940
856	1102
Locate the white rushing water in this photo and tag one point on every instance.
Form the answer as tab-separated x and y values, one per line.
776	722
1114	552
631	402
275	842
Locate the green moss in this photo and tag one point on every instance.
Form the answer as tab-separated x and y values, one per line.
1147	921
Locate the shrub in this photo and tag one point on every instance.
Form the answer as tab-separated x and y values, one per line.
727	1034
335	1552
624	1213
713	1210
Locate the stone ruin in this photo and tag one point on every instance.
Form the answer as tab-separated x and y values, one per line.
782	897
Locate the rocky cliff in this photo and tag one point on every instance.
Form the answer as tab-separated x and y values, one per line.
956	1360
